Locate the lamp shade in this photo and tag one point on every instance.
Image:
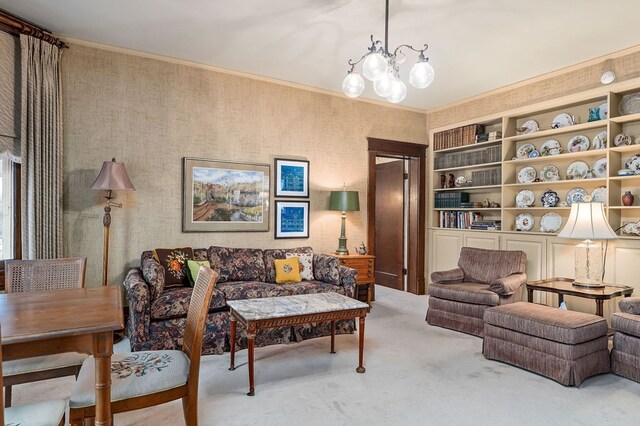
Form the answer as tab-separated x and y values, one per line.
344	201
587	222
113	176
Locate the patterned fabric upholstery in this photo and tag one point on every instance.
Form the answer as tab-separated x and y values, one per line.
237	264
326	268
312	287
139	298
475	293
270	255
46	413
236	290
153	274
132	374
42	363
174	303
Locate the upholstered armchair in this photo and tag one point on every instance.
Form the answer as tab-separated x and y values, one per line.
625	355
483	278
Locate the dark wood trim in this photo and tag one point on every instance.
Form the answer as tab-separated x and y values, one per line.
385	147
15	26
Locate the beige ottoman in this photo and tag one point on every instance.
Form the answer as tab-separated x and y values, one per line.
565	346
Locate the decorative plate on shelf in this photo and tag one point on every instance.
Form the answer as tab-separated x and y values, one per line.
527	175
562	120
621	139
575	195
630	104
633	164
604	111
524	151
578	143
551	147
534	154
524	222
549	173
578	170
525	198
599	195
600	168
550	198
550	222
599	141
529	126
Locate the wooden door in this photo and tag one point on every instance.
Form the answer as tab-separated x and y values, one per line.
389	224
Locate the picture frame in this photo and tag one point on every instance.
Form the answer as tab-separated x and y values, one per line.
225	196
291	178
291	219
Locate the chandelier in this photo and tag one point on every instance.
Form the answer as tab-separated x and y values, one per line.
382	67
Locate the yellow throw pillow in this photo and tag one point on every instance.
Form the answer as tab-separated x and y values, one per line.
287	270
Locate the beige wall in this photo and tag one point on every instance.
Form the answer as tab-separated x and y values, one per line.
150	113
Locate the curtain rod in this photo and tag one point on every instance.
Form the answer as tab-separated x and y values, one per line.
13	25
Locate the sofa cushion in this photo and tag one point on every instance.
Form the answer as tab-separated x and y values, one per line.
312	287
237	264
486	266
174	303
326	268
287	270
174	262
554	324
466	292
153	274
236	290
626	323
630	305
269	255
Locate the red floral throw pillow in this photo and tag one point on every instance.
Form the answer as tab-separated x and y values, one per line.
174	262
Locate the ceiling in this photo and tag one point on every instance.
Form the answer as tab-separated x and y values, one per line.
474	45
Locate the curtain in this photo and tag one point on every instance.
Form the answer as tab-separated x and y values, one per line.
41	149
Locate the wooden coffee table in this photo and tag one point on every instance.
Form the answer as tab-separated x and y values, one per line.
272	312
564	286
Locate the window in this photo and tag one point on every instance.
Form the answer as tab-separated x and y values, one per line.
7	233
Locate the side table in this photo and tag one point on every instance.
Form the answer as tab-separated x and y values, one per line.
365	265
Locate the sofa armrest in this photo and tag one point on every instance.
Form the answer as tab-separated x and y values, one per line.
630	305
448	277
139	300
348	277
508	285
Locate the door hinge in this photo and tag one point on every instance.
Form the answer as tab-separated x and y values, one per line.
404	271
406	176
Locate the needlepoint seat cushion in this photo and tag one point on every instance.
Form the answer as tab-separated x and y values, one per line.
133	374
45	413
42	363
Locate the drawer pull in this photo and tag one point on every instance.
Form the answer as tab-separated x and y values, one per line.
369	275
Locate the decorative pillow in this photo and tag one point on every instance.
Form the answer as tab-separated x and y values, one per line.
193	267
287	270
153	274
174	262
306	264
326	268
271	254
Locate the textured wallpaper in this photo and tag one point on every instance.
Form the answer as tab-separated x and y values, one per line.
151	113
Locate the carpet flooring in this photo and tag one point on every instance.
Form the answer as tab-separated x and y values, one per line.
416	375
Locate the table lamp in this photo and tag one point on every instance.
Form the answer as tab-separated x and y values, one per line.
113	176
587	221
343	201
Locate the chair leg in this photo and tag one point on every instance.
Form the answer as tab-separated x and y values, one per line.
7	396
190	410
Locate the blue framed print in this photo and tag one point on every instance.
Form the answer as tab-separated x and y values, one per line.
292	178
292	219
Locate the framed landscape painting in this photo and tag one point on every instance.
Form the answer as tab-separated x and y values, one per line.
292	178
220	196
292	219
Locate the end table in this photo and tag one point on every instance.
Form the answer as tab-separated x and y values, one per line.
365	265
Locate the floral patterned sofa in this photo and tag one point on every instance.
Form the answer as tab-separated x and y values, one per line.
157	315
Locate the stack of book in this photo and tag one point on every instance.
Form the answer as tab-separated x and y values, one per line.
460	220
460	136
446	200
487	225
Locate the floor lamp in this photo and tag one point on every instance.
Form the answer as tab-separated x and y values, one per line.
343	201
113	176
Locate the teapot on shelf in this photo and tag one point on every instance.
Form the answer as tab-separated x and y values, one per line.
362	249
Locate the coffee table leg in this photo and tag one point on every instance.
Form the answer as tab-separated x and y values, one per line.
333	337
360	368
232	343
250	341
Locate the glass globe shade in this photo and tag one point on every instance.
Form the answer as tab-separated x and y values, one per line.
353	85
375	66
398	91
421	75
382	87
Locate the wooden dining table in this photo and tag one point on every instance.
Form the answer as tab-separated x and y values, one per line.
77	320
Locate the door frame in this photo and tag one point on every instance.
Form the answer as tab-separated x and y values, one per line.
389	148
